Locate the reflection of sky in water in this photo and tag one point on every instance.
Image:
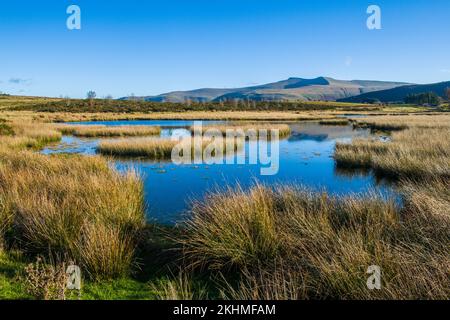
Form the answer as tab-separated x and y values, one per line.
305	158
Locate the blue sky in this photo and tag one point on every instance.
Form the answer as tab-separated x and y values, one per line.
151	47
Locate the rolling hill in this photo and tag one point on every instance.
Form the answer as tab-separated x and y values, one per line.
321	88
398	94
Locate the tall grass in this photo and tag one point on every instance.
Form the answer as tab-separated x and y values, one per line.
67	117
38	134
289	242
414	152
74	206
156	148
178	288
120	131
335	122
246	129
151	148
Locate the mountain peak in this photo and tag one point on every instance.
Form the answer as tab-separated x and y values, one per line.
294	88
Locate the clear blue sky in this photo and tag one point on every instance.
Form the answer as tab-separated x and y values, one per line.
151	47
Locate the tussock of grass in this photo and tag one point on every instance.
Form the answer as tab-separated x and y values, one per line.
334	122
103	131
415	152
292	243
246	129
154	148
71	206
178	288
69	129
150	148
42	134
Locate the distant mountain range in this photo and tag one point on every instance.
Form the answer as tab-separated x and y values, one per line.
299	89
321	88
399	93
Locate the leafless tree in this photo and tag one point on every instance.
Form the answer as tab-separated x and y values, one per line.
91	95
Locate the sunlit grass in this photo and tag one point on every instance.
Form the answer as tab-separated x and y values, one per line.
72	206
161	148
246	129
291	243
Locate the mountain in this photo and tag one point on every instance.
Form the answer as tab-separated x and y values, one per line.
321	88
399	94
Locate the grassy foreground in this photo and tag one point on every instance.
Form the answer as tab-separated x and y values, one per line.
245	130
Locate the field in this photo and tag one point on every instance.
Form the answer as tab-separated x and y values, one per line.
269	242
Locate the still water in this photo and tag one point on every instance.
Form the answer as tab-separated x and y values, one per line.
306	158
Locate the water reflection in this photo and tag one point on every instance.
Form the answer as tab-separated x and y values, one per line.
305	158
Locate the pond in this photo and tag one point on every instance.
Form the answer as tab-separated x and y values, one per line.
306	158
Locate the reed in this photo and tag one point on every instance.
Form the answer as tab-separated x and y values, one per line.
401	122
150	148
121	131
71	206
415	152
245	129
67	117
290	242
157	148
42	134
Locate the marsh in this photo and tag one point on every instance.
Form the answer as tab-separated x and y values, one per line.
306	158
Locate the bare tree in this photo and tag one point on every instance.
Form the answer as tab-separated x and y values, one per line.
447	93
91	95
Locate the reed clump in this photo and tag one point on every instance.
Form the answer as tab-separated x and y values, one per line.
39	134
335	122
120	131
291	243
73	206
414	152
149	148
245	130
401	122
161	148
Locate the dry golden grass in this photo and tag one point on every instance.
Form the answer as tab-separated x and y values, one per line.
290	243
246	129
159	148
139	147
70	129
41	133
335	122
18	143
104	131
415	152
179	288
71	206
